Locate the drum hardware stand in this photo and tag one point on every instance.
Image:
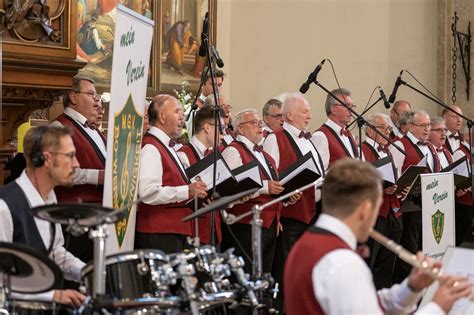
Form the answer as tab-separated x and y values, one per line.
5	294
187	271
98	235
257	269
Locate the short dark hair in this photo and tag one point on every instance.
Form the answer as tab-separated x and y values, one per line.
76	85
271	102
219	74
41	138
203	116
348	183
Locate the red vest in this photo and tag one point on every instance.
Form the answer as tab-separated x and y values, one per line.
165	218
313	245
204	222
304	209
337	149
467	198
389	201
268	214
89	157
414	155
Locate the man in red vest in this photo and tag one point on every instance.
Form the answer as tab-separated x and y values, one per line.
201	145
389	221
332	139
438	139
81	109
324	274
162	183
454	124
416	145
398	109
244	150
272	116
286	147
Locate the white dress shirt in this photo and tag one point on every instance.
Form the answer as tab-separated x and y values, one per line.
375	145
198	146
343	283
70	265
395	129
233	159
399	158
321	142
150	177
84	176
453	143
442	159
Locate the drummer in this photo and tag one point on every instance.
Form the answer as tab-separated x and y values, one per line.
50	161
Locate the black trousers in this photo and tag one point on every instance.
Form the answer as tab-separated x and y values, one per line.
463	223
167	242
411	240
382	260
292	230
243	232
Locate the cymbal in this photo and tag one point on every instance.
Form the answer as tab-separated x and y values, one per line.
220	204
82	214
30	271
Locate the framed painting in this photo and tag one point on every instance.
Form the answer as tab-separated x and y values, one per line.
175	49
180	38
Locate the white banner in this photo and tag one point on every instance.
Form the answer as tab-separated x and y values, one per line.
131	59
437	196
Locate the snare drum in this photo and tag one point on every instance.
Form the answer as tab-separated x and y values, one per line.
135	275
23	307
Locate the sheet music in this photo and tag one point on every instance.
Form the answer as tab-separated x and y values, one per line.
222	173
308	164
423	162
386	170
252	173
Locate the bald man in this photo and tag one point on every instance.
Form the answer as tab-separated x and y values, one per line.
162	182
399	108
453	124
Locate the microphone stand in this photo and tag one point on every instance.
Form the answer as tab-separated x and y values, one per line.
194	106
360	121
217	125
469	122
365	111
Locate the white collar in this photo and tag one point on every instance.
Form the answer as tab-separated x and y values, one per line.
337	227
32	195
160	134
450	133
74	114
291	129
334	126
198	145
247	142
371	142
412	138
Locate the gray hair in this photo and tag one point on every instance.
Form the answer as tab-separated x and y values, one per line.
270	103
405	118
372	117
331	101
239	116
411	118
437	120
290	101
211	101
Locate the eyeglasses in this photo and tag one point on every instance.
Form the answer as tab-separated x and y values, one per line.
221	129
353	106
440	130
424	126
94	95
253	123
276	116
70	155
383	128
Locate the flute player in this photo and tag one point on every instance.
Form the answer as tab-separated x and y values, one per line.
324	274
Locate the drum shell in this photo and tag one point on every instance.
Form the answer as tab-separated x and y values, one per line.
23	307
124	279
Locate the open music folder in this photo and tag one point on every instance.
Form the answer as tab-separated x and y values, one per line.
303	172
387	170
411	174
460	169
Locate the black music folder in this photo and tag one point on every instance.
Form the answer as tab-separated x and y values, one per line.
387	170
301	173
460	169
411	174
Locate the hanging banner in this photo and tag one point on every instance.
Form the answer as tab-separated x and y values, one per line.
131	59
437	196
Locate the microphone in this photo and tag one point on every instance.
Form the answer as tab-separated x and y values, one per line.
384	99
215	53
204	35
311	78
395	88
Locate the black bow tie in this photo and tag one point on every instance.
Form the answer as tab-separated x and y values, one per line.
456	137
306	135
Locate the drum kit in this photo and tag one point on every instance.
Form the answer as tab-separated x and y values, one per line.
194	281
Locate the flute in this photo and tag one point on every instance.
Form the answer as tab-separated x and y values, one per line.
408	257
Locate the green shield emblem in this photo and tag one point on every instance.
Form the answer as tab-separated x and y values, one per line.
126	152
437	225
